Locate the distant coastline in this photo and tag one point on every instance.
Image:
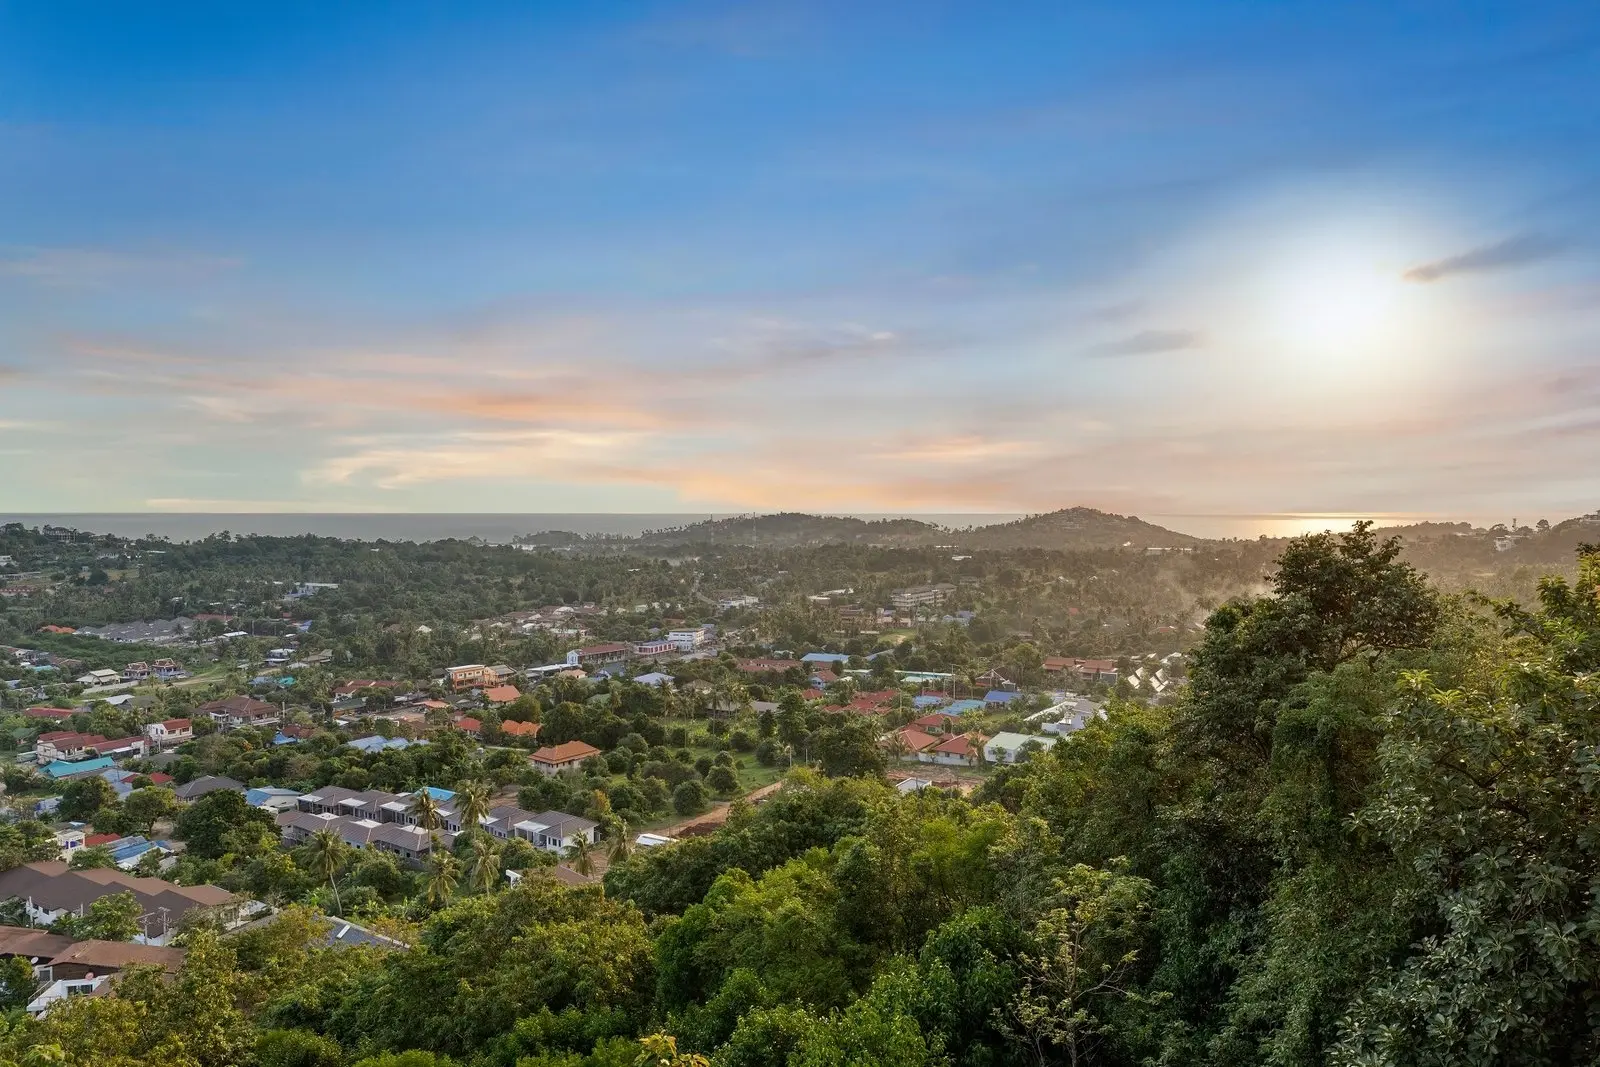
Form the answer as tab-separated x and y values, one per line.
394	526
503	528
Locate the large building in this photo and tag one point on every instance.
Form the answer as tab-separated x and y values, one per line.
385	821
49	891
921	596
595	655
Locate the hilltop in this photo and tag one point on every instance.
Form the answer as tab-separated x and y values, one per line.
1070	529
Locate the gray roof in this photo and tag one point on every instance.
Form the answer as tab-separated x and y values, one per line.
211	783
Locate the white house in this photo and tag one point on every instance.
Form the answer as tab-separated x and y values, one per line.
1005	747
169	731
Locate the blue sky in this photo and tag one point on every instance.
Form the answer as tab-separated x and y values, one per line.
1166	259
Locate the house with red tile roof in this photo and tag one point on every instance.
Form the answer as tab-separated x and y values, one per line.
908	743
962	750
501	694
554	759
513	728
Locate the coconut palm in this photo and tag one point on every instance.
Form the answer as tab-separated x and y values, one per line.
484	872
325	854
444	871
581	856
425	809
621	845
473	803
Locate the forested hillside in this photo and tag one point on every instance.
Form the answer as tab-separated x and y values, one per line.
1365	835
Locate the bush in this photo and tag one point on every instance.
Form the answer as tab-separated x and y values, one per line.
767	753
723	780
297	1048
742	741
689	798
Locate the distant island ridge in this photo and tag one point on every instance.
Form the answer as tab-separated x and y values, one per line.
509	527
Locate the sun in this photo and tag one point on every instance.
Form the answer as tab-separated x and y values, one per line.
1340	307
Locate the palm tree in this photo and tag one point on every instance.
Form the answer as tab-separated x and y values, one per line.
425	809
473	803
581	856
325	854
484	873
621	846
443	874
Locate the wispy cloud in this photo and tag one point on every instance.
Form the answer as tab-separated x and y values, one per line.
1150	343
99	266
1502	255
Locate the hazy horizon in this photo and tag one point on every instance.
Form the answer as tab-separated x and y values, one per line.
503	526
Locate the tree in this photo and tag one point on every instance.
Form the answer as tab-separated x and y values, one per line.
473	800
17	983
689	798
111	918
92	858
143	808
84	798
206	823
1082	963
581	855
484	872
722	779
325	853
849	747
444	871
425	810
621	843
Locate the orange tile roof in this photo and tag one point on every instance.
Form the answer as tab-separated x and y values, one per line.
565	753
915	740
501	694
512	728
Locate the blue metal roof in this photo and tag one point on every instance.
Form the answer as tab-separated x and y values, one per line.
962	706
999	696
824	657
928	700
63	769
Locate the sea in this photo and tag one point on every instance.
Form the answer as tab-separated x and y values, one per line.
390	526
502	529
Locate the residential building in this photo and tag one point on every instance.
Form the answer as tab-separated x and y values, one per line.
653	678
595	655
68	968
60	769
234	712
998	697
921	596
737	600
555	759
63	745
272	798
168	670
1007	747
48	891
513	728
909	743
962	750
501	694
384	820
103	677
169	731
768	666
211	783
658	646
468	676
687	640
468	725
136	672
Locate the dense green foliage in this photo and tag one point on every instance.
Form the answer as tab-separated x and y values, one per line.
1365	835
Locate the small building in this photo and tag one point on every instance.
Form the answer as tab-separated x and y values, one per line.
501	694
654	678
556	759
962	750
1007	747
468	676
169	732
211	783
513	728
